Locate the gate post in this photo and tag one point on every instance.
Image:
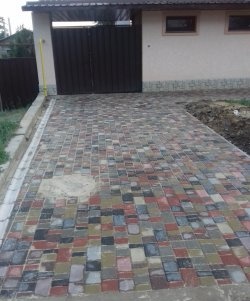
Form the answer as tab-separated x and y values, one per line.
42	30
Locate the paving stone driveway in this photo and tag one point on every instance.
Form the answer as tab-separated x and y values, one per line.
171	208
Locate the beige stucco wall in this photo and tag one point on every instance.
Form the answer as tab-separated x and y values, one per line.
211	54
42	30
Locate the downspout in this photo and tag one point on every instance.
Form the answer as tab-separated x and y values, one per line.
45	92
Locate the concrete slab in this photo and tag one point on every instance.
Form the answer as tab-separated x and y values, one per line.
68	186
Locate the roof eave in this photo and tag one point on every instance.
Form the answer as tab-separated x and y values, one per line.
205	6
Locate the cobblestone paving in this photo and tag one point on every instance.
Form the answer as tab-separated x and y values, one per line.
172	207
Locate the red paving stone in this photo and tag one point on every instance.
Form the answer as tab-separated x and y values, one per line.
110	285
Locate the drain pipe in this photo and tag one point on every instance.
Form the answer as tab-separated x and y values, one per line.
41	41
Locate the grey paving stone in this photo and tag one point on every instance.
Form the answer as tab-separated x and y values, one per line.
68	223
170	266
29	276
76	273
94	253
126	285
19	257
75	289
246	242
236	274
173	276
109	273
160	235
6	257
56	223
3	271
133	229
93	277
11	283
43	287
119	220
9	244
151	250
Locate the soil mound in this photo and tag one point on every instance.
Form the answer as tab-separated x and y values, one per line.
232	121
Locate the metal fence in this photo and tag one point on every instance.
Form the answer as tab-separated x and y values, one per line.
100	59
18	82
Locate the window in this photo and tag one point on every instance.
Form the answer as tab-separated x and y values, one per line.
181	24
239	22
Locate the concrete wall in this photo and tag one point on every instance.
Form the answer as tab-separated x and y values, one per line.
210	59
42	30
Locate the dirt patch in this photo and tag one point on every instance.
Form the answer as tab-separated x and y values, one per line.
232	121
68	186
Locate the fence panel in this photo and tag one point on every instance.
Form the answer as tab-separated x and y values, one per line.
18	82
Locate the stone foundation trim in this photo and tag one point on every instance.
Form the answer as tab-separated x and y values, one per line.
188	85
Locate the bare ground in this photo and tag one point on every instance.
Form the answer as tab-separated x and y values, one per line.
232	121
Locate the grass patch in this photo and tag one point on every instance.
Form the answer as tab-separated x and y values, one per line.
13	115
3	155
9	122
243	102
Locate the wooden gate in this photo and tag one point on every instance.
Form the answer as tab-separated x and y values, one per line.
101	59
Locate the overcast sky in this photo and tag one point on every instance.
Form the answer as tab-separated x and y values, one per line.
12	9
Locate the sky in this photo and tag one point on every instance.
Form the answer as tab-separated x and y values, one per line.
12	9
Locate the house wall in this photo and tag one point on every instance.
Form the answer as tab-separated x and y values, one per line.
4	51
42	30
210	59
5	46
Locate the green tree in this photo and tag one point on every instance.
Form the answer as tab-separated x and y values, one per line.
2	28
22	44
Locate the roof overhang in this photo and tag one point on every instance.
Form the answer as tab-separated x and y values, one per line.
65	10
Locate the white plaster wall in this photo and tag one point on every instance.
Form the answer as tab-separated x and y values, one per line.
211	54
42	30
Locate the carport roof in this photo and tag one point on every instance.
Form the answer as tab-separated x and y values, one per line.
119	10
67	4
